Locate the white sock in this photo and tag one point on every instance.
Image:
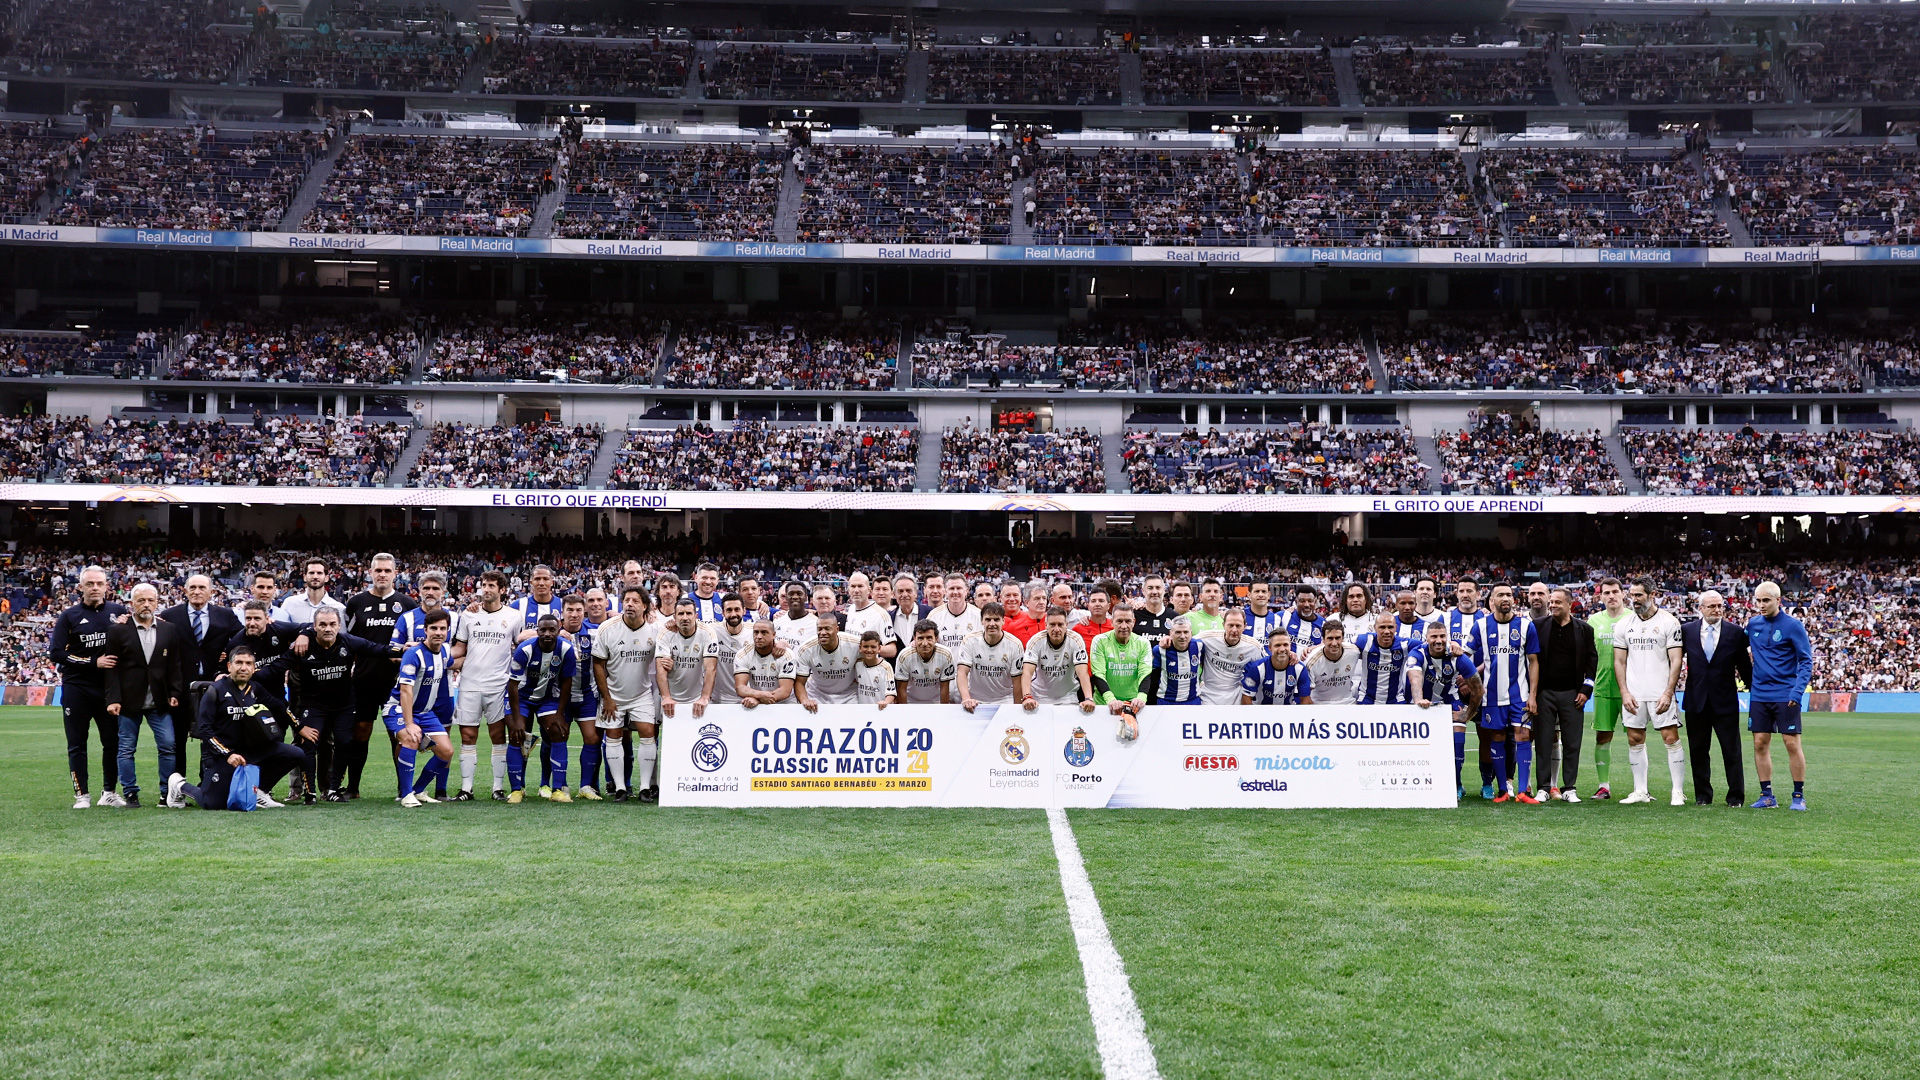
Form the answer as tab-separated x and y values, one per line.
1677	765
1637	757
644	751
469	757
616	762
499	767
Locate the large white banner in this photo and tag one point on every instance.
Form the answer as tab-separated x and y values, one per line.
942	755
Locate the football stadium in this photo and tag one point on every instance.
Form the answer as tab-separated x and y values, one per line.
955	539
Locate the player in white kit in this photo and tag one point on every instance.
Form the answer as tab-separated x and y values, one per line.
988	665
823	672
733	633
956	618
925	670
863	614
482	654
623	673
1228	651
687	658
873	681
1334	666
1054	666
1646	660
763	673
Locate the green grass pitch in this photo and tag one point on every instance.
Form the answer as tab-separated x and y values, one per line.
627	941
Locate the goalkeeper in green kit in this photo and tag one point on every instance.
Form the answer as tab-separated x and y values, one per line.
1606	689
1119	663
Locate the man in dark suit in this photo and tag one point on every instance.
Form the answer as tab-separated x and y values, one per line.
1568	663
148	682
209	625
1716	654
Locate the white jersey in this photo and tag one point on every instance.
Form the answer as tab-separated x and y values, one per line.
991	668
1054	680
1335	682
1646	642
795	634
730	645
1220	679
955	628
298	609
873	684
829	674
765	672
924	678
857	621
628	654
689	659
1355	625
490	638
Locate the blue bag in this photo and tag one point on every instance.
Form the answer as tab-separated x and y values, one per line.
240	793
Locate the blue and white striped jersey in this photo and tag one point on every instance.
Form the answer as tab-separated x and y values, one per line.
1259	626
530	609
1464	627
410	628
1296	626
1268	685
427	672
582	652
539	670
1441	675
1502	658
1413	635
1180	671
1383	671
707	609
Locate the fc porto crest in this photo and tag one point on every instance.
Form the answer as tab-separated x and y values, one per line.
1014	748
1079	749
709	750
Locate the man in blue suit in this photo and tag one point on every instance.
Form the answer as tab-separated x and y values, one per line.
1716	654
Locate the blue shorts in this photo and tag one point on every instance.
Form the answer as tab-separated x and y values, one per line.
1501	717
539	710
1774	717
430	723
584	710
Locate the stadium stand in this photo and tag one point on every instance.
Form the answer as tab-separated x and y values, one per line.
1411	76
339	452
796	354
1561	197
1836	195
268	347
1383	198
173	41
1140	197
778	73
640	191
1300	459
860	194
1050	462
1238	77
1753	462
646	69
755	456
1023	76
537	455
189	178
554	348
441	184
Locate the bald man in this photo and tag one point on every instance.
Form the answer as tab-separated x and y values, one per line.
146	685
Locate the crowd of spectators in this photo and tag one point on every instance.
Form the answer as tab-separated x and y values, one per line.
862	194
189	178
446	185
754	456
553	348
267	347
1672	76
1751	462
360	60
1023	76
1254	357
1297	459
28	444
1238	77
539	455
956	357
1560	197
1140	197
975	459
1857	56
1375	198
777	73
1443	79
1504	454
639	191
269	451
544	65
796	354
153	40
33	158
107	351
1832	195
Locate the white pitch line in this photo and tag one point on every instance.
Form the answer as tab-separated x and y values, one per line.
1125	1053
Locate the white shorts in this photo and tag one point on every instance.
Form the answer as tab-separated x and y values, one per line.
475	708
1643	715
644	711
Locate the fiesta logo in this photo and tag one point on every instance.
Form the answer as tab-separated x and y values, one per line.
1211	762
709	750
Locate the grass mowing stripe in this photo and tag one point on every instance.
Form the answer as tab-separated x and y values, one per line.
1118	1029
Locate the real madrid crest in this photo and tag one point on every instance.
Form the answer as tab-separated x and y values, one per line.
1013	748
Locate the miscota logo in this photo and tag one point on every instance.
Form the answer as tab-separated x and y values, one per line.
1211	762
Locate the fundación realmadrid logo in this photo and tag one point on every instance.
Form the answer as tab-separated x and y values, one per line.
1013	748
709	750
1079	749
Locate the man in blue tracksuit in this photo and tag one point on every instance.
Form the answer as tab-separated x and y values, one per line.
1782	668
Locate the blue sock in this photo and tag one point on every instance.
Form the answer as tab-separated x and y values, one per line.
1766	787
1459	755
434	772
404	766
1799	787
1500	766
546	762
590	765
516	768
557	764
1525	750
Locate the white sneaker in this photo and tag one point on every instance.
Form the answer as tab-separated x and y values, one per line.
1679	798
112	798
1636	797
425	798
82	802
409	800
264	801
1569	795
175	800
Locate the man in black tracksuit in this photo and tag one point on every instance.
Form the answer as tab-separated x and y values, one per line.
240	724
274	645
371	614
79	646
320	690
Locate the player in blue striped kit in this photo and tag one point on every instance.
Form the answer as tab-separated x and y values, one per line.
1276	679
1508	658
421	707
540	680
540	600
1383	665
577	628
1437	677
1178	664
